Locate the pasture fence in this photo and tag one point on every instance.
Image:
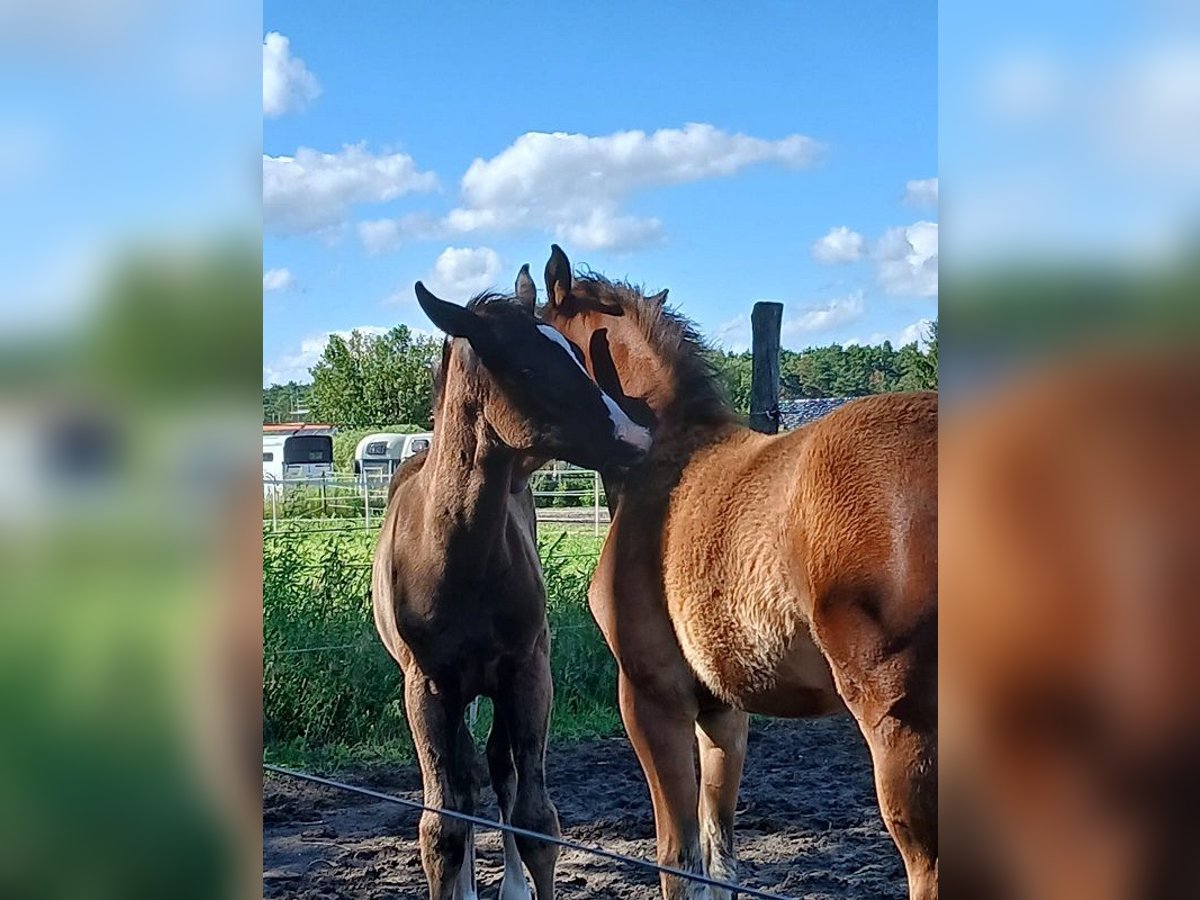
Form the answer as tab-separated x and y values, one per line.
491	825
565	496
319	637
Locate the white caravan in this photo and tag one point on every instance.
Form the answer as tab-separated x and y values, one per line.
378	455
299	454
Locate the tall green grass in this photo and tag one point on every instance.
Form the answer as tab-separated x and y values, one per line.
332	697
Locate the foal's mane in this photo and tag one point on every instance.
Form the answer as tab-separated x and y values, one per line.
674	339
439	374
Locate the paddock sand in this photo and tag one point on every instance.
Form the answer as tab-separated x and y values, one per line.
807	825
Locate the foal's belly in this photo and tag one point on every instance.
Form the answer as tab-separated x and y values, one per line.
802	688
755	653
470	644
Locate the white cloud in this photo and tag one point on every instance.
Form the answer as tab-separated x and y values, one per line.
922	193
798	324
277	280
288	86
1138	111
917	332
313	191
906	260
574	185
54	286
294	366
814	320
1117	171
380	236
460	273
841	245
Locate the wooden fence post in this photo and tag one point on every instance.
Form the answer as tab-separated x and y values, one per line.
766	319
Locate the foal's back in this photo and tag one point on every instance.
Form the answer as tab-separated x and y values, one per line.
761	530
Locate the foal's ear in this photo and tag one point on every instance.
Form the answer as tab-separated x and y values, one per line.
558	276
458	321
660	298
526	290
455	320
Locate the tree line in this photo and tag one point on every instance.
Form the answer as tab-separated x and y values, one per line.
362	381
854	370
367	379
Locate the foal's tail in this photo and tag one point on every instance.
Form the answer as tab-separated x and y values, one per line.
382	592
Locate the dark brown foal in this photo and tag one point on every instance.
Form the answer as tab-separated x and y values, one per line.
458	594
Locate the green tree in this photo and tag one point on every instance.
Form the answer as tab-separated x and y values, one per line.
279	401
931	356
919	370
857	370
733	371
366	379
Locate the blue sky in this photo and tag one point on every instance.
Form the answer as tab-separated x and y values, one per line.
1070	130
122	124
782	151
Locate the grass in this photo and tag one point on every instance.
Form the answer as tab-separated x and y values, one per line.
333	698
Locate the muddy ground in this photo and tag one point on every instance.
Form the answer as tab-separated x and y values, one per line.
807	825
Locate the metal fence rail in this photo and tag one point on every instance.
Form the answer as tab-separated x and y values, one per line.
361	505
363	500
491	825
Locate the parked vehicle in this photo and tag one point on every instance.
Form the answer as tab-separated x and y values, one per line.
296	454
378	455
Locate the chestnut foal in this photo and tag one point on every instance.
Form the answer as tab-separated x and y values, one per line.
791	575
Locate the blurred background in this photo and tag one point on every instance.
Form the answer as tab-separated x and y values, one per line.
1069	134
130	336
130	330
1069	143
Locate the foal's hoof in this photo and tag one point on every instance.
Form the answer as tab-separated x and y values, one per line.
514	889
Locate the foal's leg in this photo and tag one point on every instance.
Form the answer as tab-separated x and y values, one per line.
663	736
905	761
513	886
889	683
721	735
445	752
524	703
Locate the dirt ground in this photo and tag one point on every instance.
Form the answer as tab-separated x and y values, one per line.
807	825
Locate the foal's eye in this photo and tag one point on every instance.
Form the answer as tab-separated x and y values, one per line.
525	372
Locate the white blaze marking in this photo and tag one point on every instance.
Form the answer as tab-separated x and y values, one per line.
553	333
625	429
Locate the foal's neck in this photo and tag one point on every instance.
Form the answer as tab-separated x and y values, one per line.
470	475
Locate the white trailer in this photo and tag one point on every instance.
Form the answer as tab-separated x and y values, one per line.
300	456
378	455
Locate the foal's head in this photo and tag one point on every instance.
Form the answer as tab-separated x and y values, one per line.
641	353
527	384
